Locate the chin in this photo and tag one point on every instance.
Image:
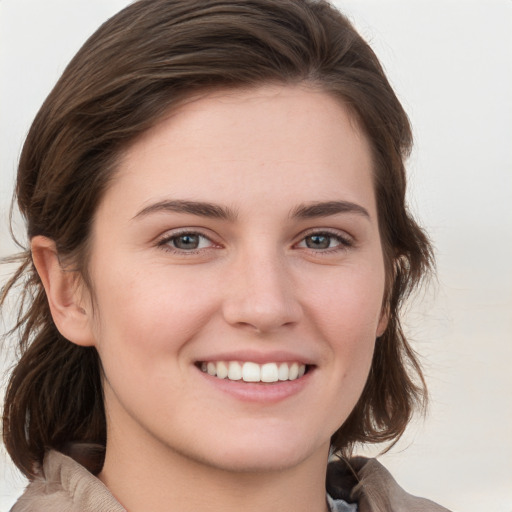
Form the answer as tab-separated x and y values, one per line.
261	455
260	462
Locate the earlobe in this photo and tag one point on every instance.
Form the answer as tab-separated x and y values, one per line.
383	322
64	295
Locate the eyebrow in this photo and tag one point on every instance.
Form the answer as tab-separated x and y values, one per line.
211	210
324	209
200	208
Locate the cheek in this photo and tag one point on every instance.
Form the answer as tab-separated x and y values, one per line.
346	311
143	328
150	312
348	305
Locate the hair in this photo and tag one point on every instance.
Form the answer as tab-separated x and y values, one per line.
146	60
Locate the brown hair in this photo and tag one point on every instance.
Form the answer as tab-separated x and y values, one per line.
139	64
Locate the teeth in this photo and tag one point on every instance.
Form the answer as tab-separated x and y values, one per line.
283	371
294	371
269	372
234	371
222	370
211	369
253	372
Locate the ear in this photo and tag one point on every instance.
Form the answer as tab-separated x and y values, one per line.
383	321
65	296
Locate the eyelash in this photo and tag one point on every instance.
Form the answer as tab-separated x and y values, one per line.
166	241
344	242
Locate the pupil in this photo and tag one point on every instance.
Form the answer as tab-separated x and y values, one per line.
187	242
318	242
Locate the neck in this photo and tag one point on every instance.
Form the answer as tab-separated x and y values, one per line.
147	477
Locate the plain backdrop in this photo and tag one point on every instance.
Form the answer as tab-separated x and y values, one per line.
451	65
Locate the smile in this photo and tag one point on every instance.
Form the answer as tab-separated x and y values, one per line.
253	372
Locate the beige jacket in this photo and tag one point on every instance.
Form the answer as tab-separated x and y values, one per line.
64	485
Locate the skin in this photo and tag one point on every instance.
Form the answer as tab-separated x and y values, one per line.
259	281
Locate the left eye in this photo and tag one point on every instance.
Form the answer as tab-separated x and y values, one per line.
321	241
188	241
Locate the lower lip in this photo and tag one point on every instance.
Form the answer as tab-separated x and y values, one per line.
259	392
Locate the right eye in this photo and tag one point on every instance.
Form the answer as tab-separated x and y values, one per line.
185	242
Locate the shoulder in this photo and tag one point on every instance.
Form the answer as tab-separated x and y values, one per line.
64	485
368	483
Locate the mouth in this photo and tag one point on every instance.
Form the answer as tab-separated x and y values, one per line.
248	371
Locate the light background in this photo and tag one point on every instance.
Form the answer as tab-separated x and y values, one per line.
451	65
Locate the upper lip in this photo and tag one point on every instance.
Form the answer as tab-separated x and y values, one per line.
259	357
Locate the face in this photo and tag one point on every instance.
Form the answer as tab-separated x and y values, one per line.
238	280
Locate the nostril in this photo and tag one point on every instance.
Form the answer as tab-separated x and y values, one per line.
262	308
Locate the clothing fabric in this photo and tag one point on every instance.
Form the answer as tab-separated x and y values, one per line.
340	505
63	484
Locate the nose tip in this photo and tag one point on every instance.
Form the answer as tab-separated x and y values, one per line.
260	317
262	297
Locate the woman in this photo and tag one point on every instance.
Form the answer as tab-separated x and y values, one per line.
214	194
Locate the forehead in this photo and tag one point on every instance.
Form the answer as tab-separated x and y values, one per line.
277	141
240	112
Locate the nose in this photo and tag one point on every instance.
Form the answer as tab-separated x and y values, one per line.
260	294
